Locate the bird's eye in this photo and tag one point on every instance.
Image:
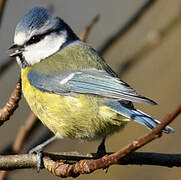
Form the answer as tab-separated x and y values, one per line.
34	39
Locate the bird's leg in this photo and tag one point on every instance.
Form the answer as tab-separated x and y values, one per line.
38	149
101	150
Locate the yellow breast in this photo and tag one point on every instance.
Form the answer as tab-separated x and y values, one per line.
78	116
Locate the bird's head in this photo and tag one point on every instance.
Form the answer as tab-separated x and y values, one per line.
38	35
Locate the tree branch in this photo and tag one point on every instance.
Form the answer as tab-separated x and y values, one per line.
23	161
87	30
12	104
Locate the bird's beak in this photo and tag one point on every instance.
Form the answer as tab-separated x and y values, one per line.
17	50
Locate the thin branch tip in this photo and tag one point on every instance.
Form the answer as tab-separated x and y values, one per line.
87	30
12	104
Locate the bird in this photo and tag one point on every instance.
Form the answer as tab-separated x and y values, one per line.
69	86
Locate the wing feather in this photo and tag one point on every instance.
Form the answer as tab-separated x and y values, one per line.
92	81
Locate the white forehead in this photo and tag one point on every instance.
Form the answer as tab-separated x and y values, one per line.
20	38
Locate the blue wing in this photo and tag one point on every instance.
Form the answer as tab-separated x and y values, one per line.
92	81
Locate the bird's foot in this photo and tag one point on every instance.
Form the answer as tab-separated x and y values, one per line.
38	150
39	155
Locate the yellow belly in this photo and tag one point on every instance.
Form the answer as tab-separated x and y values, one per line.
78	116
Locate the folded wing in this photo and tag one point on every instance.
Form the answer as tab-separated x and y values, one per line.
92	81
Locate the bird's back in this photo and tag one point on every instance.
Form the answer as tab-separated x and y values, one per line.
75	57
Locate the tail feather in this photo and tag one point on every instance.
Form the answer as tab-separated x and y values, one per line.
138	116
146	120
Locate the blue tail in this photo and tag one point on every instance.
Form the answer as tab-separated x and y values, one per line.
138	116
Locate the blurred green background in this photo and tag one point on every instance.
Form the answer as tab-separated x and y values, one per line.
156	75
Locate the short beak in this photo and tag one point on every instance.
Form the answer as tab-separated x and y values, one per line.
17	50
14	46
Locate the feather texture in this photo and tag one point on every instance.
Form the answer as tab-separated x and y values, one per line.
138	116
90	81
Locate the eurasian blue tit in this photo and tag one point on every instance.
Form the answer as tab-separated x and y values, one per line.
68	85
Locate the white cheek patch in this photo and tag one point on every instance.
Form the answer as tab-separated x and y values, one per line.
45	48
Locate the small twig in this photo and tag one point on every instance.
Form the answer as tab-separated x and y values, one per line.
12	104
87	30
2	6
127	26
3	174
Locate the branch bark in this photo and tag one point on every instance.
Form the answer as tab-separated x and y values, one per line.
12	104
23	161
87	30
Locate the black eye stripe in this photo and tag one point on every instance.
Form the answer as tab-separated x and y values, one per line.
35	39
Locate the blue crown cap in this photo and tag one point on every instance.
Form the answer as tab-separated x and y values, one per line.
34	19
39	21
